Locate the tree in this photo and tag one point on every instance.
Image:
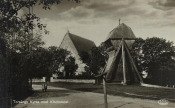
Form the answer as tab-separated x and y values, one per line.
16	65
155	57
4	71
70	66
25	46
94	60
58	59
2	47
21	41
62	61
9	13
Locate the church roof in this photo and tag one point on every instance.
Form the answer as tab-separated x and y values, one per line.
121	31
81	44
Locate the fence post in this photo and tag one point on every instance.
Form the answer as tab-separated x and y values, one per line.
105	92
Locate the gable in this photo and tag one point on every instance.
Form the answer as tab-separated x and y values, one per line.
69	45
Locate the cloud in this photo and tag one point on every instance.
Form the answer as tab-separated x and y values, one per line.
76	13
94	19
97	9
108	6
111	10
107	9
163	4
167	3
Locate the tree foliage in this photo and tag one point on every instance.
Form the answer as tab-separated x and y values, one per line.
37	63
21	42
70	66
9	13
58	59
20	53
2	47
4	73
94	60
155	57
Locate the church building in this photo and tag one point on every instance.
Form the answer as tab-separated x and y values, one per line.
76	45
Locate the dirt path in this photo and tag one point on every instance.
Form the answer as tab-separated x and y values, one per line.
63	98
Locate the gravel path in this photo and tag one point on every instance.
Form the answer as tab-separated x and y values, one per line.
57	97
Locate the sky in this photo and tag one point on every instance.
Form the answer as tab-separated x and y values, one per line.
94	19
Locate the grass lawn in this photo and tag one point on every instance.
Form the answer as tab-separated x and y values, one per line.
134	91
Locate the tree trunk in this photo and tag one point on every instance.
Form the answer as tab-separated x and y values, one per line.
31	83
